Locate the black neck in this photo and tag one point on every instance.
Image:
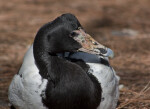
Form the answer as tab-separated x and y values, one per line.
41	55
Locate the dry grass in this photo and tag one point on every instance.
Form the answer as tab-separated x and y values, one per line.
142	96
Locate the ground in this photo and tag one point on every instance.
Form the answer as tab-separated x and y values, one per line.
122	25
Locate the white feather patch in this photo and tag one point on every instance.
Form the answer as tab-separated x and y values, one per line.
26	87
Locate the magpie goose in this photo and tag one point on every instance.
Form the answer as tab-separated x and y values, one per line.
65	68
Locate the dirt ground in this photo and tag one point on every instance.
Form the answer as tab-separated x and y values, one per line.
122	25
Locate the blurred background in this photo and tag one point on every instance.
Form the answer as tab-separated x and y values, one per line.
122	25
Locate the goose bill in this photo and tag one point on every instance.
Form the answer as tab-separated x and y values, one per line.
91	46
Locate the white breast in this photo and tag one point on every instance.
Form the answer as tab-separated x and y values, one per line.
109	83
107	78
26	87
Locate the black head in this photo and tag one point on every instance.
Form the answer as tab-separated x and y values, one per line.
54	37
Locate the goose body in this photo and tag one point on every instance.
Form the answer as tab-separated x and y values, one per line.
64	69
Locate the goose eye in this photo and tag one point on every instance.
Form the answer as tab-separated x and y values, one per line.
74	34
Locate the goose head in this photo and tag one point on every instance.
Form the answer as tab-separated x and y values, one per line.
66	34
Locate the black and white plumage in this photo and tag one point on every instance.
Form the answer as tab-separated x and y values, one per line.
105	74
65	69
